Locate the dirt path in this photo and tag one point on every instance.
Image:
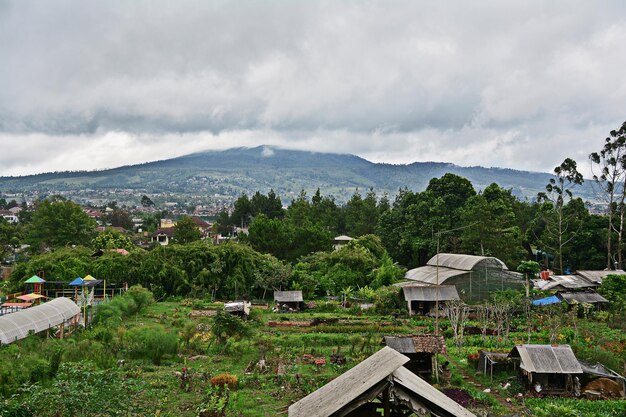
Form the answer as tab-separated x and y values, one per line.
471	379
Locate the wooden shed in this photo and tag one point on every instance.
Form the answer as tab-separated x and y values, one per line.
422	299
587	297
548	369
289	300
421	350
379	383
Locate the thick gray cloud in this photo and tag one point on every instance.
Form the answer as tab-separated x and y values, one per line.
88	84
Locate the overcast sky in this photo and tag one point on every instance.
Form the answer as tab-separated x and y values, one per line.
519	84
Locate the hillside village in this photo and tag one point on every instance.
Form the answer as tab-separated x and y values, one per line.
447	302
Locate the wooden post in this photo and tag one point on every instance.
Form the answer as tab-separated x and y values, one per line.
62	329
435	366
386	404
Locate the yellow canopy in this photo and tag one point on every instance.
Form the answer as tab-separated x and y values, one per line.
89	278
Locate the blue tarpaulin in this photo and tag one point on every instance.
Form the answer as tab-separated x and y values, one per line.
553	299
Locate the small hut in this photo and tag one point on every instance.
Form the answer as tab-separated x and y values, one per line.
487	361
238	308
421	350
548	369
289	300
341	241
422	299
588	297
379	382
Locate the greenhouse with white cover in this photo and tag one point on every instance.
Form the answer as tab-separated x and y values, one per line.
475	277
18	325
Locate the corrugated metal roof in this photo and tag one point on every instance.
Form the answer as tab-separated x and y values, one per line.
463	262
346	387
582	297
429	293
598	276
547	359
17	325
563	281
288	296
400	344
428	274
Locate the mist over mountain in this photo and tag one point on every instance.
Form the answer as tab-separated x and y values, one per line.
246	170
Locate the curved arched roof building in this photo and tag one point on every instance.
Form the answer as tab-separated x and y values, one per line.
473	276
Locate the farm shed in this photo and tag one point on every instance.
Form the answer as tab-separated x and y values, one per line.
238	308
597	276
548	369
18	325
582	298
379	382
422	299
474	277
577	281
421	350
563	283
289	300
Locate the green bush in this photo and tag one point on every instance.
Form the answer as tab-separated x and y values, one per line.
151	342
330	306
387	300
141	296
226	325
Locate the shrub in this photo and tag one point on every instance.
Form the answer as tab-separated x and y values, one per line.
153	343
141	296
224	380
226	325
387	300
327	306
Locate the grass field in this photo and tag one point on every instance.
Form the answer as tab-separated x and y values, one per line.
37	370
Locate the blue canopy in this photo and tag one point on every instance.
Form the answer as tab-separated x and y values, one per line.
553	299
78	282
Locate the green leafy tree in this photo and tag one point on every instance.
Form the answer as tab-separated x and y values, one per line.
112	239
491	226
529	269
146	201
361	214
120	218
226	325
186	231
58	222
270	205
298	212
242	212
271	236
613	288
611	178
560	227
325	213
